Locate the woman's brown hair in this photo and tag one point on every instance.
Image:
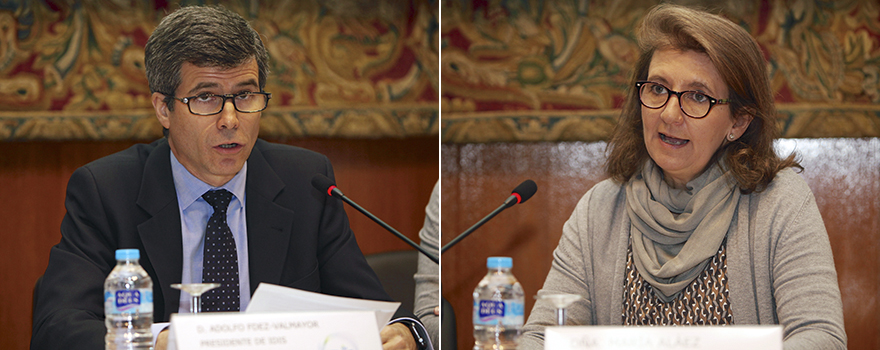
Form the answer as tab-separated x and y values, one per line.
736	55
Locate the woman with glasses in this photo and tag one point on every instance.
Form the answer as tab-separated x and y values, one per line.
701	223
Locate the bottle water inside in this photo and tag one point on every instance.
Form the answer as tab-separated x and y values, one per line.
498	307
128	304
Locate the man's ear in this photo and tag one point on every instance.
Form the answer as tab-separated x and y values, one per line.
162	112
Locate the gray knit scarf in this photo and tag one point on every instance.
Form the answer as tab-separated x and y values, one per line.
676	231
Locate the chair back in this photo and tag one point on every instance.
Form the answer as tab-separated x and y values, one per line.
448	336
395	270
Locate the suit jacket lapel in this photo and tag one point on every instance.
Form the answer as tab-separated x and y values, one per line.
161	234
268	224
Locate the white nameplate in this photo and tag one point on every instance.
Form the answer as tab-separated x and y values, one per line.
330	330
663	338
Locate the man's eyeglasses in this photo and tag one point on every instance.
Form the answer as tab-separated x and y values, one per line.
210	104
694	104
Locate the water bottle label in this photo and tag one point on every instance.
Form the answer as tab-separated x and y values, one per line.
491	309
492	312
127	301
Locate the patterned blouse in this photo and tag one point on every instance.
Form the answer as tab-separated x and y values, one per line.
704	302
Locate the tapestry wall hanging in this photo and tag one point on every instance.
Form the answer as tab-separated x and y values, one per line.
338	68
558	70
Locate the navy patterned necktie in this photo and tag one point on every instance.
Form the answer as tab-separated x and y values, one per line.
220	264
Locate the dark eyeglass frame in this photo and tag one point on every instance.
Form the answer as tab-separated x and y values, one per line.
712	101
186	101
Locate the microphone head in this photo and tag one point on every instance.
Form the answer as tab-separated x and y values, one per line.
323	183
524	191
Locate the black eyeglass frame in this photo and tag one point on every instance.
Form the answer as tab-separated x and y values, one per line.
712	101
186	101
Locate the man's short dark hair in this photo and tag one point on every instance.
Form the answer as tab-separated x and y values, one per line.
206	36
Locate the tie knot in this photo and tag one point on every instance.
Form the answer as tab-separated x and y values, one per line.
219	199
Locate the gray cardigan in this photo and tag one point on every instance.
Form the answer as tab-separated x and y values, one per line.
427	277
779	263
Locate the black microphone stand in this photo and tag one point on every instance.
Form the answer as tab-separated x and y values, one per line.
386	226
467	232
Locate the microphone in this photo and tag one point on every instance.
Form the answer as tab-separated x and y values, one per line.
520	194
324	184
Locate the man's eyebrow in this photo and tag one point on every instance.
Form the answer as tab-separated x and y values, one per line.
249	82
205	85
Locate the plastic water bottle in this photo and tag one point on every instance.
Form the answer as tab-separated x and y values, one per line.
128	304
498	307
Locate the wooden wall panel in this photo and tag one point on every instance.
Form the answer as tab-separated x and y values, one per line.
392	178
844	175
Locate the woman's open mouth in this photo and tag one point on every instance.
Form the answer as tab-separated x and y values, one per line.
673	141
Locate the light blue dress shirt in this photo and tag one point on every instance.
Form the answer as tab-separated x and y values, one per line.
194	214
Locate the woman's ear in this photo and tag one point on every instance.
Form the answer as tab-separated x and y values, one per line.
740	124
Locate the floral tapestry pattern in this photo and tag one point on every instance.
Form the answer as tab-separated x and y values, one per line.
338	68
558	70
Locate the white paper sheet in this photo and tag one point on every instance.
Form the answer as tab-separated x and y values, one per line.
275	298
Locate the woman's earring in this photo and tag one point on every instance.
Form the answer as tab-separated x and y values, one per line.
731	137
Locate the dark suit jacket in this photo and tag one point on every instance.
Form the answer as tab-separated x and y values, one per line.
297	237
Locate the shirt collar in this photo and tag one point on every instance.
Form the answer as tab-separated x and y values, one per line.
189	188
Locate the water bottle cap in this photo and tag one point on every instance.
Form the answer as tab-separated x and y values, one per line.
128	254
499	262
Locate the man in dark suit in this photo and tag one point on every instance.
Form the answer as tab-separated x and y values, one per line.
207	69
